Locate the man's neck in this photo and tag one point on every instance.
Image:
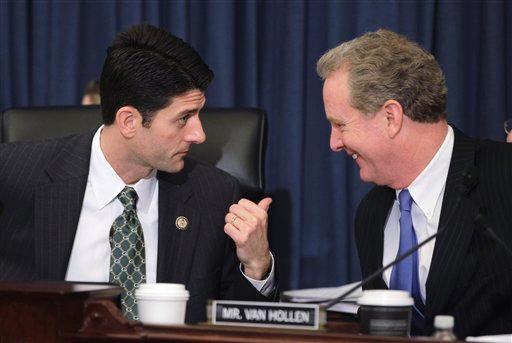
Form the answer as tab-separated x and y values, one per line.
418	146
117	154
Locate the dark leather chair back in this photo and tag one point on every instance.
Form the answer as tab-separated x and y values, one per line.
235	136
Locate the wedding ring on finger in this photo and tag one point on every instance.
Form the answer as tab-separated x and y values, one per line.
233	220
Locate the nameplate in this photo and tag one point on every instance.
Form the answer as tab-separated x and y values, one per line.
267	314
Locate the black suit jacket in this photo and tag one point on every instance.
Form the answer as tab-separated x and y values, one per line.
470	276
42	186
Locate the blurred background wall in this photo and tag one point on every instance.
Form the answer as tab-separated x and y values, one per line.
263	54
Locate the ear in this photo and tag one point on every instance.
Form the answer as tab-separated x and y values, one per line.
128	118
394	117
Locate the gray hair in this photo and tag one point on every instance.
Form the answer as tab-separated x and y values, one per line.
383	65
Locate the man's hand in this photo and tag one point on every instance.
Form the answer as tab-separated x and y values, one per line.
246	224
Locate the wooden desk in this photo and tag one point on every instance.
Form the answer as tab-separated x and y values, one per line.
70	312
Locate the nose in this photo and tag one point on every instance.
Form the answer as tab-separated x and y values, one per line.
195	132
336	141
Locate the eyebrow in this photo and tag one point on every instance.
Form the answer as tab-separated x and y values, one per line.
189	111
336	120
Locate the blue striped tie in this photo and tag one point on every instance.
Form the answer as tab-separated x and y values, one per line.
405	274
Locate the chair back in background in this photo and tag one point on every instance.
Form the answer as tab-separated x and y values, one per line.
235	137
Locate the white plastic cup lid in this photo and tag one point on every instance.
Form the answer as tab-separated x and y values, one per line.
173	290
444	322
380	297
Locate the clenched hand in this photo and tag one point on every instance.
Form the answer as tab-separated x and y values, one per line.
246	224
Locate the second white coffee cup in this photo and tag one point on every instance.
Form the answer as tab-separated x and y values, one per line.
385	312
162	303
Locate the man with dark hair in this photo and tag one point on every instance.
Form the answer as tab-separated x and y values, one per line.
125	205
385	98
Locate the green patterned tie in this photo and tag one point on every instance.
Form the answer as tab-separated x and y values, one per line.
128	257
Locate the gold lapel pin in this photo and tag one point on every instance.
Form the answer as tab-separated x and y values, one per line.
181	223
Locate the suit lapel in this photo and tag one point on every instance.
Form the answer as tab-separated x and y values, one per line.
455	228
384	197
176	246
58	204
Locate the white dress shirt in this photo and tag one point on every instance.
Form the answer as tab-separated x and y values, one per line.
427	192
90	256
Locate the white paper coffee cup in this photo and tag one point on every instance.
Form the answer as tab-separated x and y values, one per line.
162	303
385	312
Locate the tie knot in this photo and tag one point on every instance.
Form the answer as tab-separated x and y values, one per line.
405	200
128	197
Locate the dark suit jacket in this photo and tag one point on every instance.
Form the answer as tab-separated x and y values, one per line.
470	276
42	187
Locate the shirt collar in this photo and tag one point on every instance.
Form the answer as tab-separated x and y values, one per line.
106	184
427	187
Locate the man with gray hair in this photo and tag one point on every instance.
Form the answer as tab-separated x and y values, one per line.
385	98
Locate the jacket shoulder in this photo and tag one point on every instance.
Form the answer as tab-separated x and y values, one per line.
495	155
29	160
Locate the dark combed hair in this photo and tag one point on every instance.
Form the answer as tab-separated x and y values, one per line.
145	67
